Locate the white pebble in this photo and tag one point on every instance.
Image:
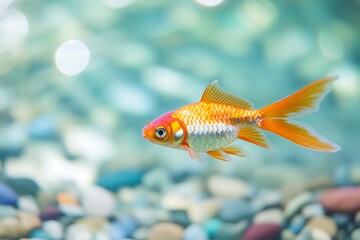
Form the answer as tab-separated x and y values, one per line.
98	202
54	229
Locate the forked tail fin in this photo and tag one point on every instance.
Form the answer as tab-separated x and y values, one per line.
304	101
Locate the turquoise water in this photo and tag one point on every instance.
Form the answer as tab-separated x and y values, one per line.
80	79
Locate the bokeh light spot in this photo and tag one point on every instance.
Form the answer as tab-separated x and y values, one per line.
117	3
14	27
210	3
330	45
72	57
4	4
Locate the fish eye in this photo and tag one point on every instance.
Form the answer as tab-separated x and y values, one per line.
160	132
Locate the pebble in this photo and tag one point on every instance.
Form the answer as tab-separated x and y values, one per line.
7	211
157	179
286	234
166	230
212	226
312	210
195	231
72	210
273	215
65	198
236	210
341	220
175	201
201	211
112	181
357	217
78	231
296	203
297	224
268	231
325	224
11	228
228	187
40	234
313	234
22	186
54	229
7	195
180	217
231	230
355	174
128	223
28	204
341	200
355	235
50	213
97	201
150	216
266	199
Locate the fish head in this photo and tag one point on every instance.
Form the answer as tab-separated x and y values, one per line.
165	130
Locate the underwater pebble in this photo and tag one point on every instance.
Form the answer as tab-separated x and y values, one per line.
11	228
266	231
231	230
97	201
7	211
342	200
212	226
165	230
7	195
297	224
228	187
199	212
296	203
341	220
66	198
286	234
150	216
72	210
54	229
175	201
78	231
40	234
355	235
312	210
357	217
157	179
265	199
273	215
94	224
28	204
179	217
236	210
316	234
22	186
355	174
50	213
112	181
195	231
325	224
28	221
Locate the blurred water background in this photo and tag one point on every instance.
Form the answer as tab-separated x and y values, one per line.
80	79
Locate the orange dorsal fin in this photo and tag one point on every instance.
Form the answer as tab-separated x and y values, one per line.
220	155
300	134
275	117
234	150
304	101
251	134
213	93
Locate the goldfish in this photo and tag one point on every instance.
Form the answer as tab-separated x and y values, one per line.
214	123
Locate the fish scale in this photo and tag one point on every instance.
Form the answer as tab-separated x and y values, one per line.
212	126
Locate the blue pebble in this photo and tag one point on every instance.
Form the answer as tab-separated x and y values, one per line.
128	223
22	186
297	224
40	234
43	127
7	195
195	231
341	220
212	226
116	231
117	179
236	210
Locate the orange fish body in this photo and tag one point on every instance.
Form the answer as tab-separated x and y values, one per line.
219	118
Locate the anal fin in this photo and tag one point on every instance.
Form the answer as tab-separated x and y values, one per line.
234	150
253	135
220	155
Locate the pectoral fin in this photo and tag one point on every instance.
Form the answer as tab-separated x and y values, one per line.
191	152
